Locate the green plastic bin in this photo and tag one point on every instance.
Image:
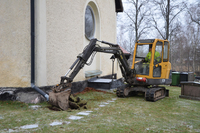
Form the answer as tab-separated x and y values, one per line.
175	78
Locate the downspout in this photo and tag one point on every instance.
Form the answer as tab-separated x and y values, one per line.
32	6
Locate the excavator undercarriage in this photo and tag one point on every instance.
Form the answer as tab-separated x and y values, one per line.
151	93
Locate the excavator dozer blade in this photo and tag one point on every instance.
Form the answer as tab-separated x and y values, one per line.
59	97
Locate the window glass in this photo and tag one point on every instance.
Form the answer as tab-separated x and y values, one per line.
89	23
142	50
158	53
141	66
165	55
157	59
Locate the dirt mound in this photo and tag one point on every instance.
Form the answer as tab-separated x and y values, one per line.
89	89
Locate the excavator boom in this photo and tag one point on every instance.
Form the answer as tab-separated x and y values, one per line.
60	95
93	47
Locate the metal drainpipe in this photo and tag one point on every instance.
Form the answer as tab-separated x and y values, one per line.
32	6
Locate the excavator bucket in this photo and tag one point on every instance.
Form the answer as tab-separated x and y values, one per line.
59	96
60	99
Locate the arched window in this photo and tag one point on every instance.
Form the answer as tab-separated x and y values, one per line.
89	23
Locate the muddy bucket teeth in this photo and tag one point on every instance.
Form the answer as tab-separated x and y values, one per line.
61	87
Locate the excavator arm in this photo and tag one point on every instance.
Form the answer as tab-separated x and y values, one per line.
89	51
61	92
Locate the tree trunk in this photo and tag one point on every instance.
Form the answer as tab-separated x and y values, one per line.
136	21
167	19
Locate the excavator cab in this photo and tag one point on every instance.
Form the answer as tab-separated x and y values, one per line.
151	61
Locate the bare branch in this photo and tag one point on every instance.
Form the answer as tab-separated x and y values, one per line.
130	17
156	27
177	14
194	20
142	31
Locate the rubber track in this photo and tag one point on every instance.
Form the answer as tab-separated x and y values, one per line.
150	94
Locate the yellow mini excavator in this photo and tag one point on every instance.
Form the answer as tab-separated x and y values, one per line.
150	68
149	71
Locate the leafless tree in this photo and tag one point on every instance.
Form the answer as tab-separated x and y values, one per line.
165	12
125	38
129	45
194	12
176	47
186	46
193	33
138	15
120	33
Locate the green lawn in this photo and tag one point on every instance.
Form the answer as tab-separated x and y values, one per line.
132	114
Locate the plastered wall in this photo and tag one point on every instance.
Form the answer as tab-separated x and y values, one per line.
14	43
64	37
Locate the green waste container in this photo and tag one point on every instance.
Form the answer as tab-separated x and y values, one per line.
175	78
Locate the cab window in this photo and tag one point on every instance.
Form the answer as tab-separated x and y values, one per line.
158	53
165	54
158	59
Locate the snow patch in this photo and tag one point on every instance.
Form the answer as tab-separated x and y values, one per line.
105	103
89	111
29	126
110	101
34	107
72	117
55	123
83	113
11	130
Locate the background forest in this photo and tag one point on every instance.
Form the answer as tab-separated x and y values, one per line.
175	20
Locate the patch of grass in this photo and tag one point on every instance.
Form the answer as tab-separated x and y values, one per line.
131	114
